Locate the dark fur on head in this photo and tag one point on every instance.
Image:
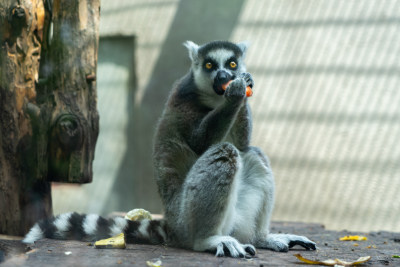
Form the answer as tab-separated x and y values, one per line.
204	49
196	51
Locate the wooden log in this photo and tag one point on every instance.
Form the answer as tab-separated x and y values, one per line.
69	75
48	116
23	198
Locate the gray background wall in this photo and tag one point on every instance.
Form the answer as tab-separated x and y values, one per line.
325	104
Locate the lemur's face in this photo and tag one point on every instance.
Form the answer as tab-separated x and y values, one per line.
216	63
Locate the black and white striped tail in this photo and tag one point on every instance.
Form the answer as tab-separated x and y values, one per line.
93	227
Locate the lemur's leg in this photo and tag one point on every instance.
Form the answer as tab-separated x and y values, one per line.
209	200
276	242
256	196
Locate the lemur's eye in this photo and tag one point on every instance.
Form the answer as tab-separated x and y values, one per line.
208	65
233	64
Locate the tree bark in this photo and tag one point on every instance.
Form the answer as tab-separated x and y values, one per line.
48	116
68	72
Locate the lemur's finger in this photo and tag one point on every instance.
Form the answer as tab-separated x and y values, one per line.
249	92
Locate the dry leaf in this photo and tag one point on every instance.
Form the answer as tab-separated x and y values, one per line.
32	251
334	262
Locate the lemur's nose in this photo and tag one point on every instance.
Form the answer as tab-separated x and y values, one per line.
223	76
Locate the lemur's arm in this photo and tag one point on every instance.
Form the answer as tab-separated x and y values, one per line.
241	130
215	126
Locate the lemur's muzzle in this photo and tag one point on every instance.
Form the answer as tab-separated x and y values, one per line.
222	78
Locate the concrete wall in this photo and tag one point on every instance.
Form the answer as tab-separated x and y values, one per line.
326	97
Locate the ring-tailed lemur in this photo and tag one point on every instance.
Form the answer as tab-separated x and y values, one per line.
217	190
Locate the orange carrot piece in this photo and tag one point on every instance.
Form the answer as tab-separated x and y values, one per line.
249	92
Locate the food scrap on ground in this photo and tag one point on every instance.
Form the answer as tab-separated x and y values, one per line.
157	263
117	241
353	238
138	215
334	262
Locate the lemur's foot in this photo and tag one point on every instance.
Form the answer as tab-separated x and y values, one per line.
234	249
226	246
282	242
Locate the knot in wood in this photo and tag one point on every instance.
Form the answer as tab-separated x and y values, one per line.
17	19
69	132
91	78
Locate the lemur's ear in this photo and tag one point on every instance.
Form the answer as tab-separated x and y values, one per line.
193	50
244	46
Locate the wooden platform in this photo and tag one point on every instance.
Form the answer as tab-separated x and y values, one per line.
381	246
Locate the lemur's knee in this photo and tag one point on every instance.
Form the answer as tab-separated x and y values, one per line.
224	156
225	160
225	150
218	166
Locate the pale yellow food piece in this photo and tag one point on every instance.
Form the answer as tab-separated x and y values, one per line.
334	262
154	264
353	238
117	241
138	215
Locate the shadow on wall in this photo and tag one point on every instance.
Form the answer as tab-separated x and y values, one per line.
201	22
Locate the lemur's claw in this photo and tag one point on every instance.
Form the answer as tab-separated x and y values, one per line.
307	245
251	250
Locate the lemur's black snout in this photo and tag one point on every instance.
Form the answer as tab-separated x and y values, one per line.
222	77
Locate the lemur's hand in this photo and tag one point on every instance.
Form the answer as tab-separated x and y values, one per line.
247	78
236	91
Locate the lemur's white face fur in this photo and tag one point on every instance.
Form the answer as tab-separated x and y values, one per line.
213	65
